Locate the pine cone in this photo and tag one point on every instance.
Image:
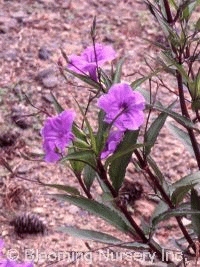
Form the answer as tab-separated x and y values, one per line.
28	224
129	193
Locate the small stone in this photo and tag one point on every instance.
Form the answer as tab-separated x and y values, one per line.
44	53
73	209
39	210
45	73
50	81
4	233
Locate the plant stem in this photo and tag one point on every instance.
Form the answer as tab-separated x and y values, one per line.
186	114
145	167
168	11
86	191
152	244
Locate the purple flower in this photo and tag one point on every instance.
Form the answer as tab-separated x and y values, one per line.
113	141
57	134
87	62
9	263
123	107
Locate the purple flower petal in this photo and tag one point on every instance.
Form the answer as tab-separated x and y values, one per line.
123	107
113	141
88	61
57	135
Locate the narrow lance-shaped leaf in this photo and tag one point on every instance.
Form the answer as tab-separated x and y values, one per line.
195	205
158	174
68	189
139	81
85	78
181	187
117	168
185	122
92	137
152	133
98	209
174	213
91	235
89	175
118	71
101	238
182	136
57	106
86	156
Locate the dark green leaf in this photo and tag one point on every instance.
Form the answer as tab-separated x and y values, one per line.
120	154
85	78
182	186
174	213
188	9
158	174
68	189
102	133
86	156
118	71
161	208
117	168
89	175
91	235
92	137
57	106
98	209
152	133
195	205
185	122
182	136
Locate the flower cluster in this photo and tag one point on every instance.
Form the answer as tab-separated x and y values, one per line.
123	107
91	58
124	110
57	135
9	263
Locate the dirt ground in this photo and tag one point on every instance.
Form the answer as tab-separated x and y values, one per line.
32	34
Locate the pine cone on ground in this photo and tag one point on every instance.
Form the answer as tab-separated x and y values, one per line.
28	224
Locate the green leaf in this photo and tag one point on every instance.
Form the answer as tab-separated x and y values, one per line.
92	137
105	79
158	174
185	122
170	61
89	175
86	156
77	166
85	78
195	205
181	187
182	136
68	189
98	209
197	25
188	9
102	133
57	106
120	154
139	81
152	133
161	208
174	213
91	235
117	168
118	71
100	237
